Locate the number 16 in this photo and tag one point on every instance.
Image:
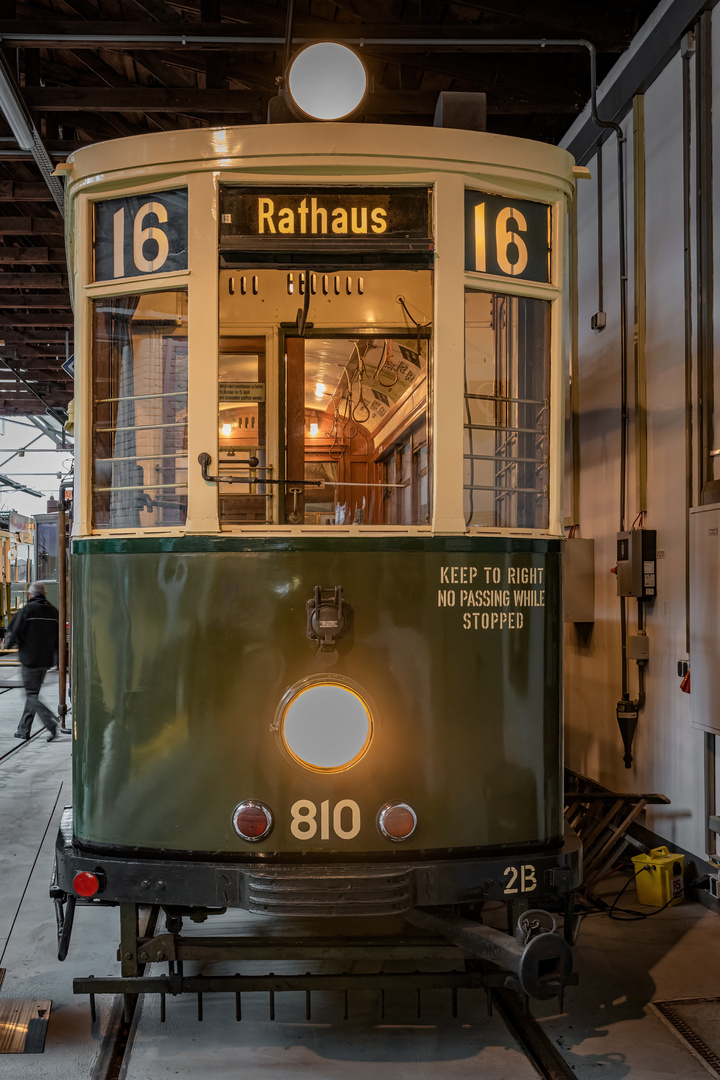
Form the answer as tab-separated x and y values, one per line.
140	238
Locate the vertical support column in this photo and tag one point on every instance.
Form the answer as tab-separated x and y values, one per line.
704	241
202	351
80	268
572	418
448	356
710	790
639	300
558	375
295	421
128	940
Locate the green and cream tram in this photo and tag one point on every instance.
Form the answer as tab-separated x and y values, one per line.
317	535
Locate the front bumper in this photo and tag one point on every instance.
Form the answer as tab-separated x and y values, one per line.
370	888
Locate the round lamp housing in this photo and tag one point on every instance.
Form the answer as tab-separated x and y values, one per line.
325	81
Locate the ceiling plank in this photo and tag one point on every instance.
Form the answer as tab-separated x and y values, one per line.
31	226
32	300
21	318
12	191
50	336
142	99
32	281
37	255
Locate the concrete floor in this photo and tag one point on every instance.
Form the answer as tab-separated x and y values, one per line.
608	1027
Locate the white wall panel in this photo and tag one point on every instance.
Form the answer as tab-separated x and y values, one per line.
667	750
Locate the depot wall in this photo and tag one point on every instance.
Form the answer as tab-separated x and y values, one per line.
669	752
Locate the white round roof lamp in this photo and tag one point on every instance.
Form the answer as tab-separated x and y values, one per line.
326	80
327	728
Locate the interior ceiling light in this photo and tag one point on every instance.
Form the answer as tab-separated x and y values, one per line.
326	81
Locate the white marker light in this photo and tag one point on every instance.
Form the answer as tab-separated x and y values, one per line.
314	428
226	429
326	80
320	389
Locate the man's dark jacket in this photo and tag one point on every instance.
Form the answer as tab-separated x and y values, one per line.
35	629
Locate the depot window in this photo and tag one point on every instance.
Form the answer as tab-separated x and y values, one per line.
140	410
507	411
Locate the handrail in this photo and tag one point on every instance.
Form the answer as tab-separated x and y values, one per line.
204	460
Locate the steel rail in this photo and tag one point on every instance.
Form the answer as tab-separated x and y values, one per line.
539	1049
23	742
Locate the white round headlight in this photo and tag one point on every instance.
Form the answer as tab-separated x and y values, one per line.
326	80
326	726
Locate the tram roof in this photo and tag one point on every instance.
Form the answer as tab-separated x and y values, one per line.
85	71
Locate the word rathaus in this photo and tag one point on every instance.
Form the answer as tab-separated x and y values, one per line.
309	218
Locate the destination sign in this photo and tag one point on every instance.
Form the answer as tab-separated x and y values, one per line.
380	214
140	234
507	237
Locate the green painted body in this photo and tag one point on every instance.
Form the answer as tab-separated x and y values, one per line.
186	647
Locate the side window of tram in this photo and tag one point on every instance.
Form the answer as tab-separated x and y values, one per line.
140	410
241	432
506	427
359	402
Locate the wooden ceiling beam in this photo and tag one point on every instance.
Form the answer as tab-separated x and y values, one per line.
31	226
142	99
32	281
241	102
93	62
13	191
32	300
50	336
24	359
22	318
38	255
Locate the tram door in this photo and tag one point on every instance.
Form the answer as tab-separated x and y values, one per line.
333	429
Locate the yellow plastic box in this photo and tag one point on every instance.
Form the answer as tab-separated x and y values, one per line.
659	877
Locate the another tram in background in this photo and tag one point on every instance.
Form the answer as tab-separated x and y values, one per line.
317	532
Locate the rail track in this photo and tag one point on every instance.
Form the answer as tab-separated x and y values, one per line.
513	1008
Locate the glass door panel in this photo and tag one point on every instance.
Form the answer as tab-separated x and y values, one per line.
356	428
242	432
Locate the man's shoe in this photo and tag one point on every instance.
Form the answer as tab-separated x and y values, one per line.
52	735
18	735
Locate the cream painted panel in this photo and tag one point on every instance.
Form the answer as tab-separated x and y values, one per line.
344	299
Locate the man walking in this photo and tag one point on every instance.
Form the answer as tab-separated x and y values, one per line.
35	629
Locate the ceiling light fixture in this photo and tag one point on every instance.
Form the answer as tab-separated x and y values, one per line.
325	81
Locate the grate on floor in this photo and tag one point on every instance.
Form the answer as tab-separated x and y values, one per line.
696	1022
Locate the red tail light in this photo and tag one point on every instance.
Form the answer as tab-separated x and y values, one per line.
397	821
252	820
86	884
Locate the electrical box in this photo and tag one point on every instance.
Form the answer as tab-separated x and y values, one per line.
579	581
637	647
636	565
659	877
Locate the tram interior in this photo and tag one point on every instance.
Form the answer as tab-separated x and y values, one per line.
356	427
332	429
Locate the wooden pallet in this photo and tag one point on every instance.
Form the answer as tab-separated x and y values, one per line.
602	818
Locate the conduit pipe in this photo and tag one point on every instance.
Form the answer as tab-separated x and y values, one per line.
23	128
